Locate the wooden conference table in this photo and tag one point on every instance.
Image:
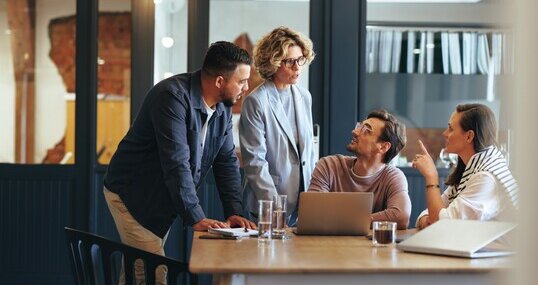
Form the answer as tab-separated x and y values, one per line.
333	260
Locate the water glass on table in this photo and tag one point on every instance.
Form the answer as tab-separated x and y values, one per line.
265	215
280	203
383	233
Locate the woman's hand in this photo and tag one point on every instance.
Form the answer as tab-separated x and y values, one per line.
423	162
423	222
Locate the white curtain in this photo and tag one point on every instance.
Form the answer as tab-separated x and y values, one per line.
372	42
454	49
385	51
469	53
396	51
474	53
483	54
445	50
422	54
410	52
496	52
429	52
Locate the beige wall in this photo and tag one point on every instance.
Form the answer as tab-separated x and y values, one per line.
526	138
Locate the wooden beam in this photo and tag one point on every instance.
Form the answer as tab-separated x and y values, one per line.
21	22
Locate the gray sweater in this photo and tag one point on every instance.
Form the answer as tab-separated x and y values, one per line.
389	185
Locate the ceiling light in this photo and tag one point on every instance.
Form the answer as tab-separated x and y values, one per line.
167	42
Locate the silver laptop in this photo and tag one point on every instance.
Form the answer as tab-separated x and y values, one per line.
462	238
334	213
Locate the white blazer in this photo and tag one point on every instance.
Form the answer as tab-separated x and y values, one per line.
271	160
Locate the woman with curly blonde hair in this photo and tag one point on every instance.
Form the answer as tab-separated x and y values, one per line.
275	129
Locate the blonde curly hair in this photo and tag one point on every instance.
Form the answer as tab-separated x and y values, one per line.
273	48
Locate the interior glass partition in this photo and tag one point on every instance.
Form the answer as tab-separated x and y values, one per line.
424	59
37	54
113	76
171	22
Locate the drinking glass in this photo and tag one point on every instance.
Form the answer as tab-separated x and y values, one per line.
449	159
265	215
279	216
383	233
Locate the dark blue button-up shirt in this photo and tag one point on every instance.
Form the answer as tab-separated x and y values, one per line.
159	164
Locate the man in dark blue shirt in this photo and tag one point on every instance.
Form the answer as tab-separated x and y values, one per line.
183	129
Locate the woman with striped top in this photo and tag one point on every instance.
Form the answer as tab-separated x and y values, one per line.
481	187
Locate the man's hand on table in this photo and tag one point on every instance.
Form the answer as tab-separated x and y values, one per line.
206	224
236	221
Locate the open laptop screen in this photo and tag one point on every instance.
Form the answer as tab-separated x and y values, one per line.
334	213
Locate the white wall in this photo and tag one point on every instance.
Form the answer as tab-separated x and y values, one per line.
484	12
525	156
7	91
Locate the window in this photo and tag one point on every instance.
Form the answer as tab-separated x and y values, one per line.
171	22
113	76
37	53
420	71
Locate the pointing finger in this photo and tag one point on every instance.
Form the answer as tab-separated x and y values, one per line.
423	148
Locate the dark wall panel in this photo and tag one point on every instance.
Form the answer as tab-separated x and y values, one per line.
34	208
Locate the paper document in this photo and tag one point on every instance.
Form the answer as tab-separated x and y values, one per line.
235	232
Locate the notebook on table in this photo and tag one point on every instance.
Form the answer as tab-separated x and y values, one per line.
462	238
334	213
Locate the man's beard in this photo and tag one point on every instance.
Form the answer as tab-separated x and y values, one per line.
228	102
352	149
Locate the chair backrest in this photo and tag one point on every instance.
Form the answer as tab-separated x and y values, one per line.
87	264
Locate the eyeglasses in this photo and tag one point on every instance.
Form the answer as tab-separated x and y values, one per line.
363	128
290	62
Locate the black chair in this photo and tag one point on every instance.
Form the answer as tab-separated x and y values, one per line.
95	259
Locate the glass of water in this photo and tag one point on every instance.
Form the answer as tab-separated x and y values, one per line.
280	203
265	215
449	159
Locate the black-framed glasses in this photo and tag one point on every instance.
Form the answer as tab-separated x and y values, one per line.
290	62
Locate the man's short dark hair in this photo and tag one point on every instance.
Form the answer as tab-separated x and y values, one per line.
223	57
393	132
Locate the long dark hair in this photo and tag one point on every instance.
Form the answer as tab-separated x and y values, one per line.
481	120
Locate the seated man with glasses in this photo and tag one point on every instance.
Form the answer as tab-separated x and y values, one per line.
374	142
